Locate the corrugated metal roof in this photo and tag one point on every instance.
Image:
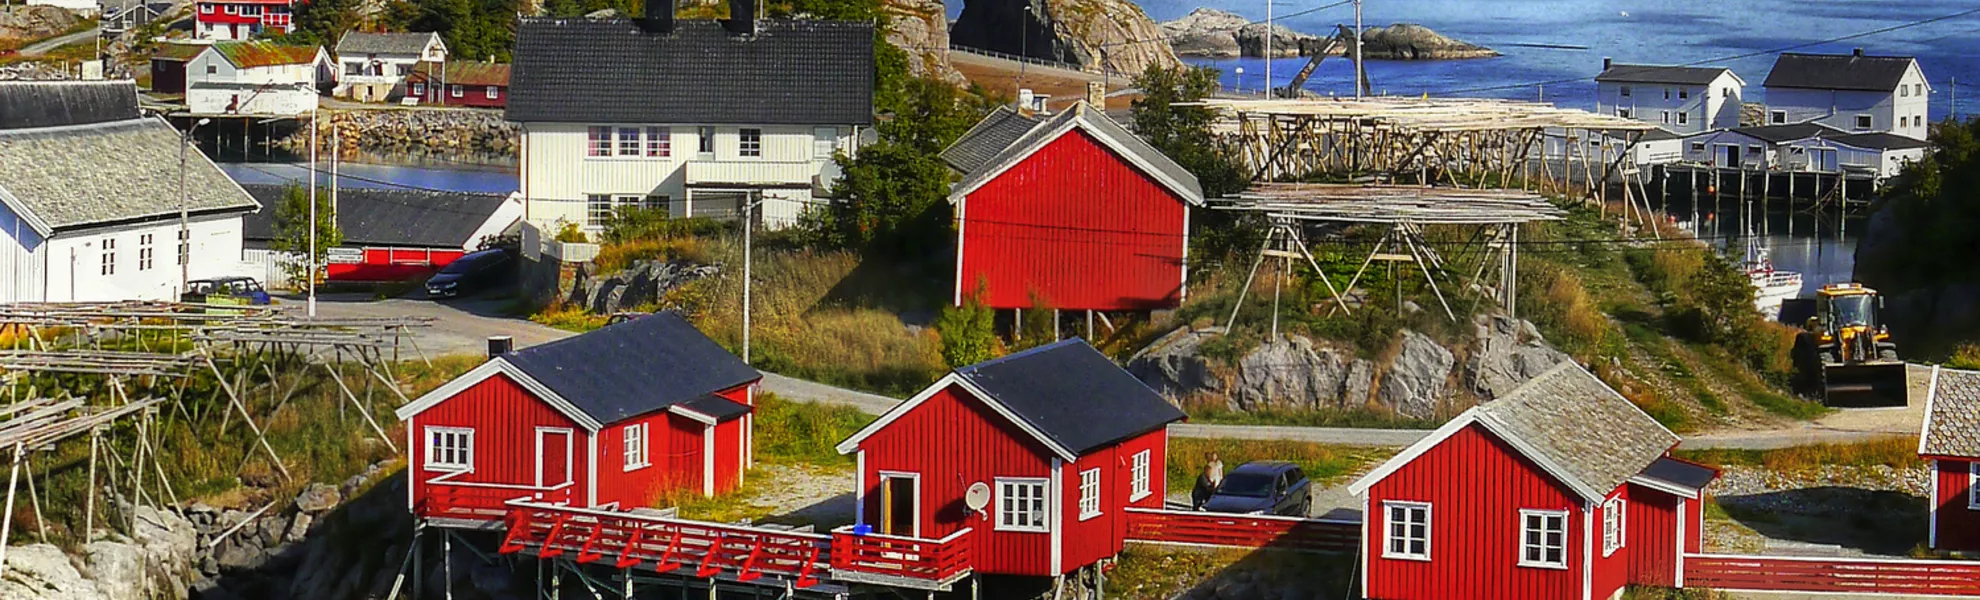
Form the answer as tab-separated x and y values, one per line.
260	53
465	73
31	104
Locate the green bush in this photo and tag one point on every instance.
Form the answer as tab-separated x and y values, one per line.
969	334
636	223
571	234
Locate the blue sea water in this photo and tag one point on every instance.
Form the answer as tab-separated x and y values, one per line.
460	178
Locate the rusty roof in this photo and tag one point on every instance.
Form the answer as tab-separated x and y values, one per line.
265	54
466	73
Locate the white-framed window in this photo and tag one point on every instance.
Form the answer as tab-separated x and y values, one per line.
1863	122
1667	93
597	208
659	142
598	141
1973	485
1089	494
144	252
624	202
449	449
185	246
206	8
1543	538
1778	117
229	9
629	141
419	89
493	92
1406	530
1684	117
1754	150
1021	505
1698	146
456	90
109	256
1667	117
212	69
636	457
749	142
1615	525
1904	91
1138	476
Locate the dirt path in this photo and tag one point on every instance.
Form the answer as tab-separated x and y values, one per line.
43	46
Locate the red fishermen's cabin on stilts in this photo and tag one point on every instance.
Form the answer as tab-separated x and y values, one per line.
1073	212
1061	438
1562	489
620	417
1950	439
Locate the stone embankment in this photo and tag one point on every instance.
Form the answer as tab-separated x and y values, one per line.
1213	33
455	135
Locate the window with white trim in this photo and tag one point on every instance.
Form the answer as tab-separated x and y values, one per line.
1406	530
455	91
1684	118
1973	485
1089	494
1614	525
449	449
597	208
629	142
109	256
1021	505
1778	117
1863	122
749	142
1543	538
659	142
492	92
635	435
185	246
599	141
1138	476
144	252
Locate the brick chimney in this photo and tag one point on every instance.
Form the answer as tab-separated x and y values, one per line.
1857	53
659	17
742	17
1606	61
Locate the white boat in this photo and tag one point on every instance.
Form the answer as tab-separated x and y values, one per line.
1770	286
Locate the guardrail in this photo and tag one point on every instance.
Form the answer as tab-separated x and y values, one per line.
1222	530
666	544
445	498
878	558
1832	575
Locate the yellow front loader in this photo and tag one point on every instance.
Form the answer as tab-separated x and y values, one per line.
1847	353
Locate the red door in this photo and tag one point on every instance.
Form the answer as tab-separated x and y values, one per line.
553	462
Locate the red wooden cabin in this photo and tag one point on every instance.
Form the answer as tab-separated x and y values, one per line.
392	234
620	417
1065	440
1950	439
1074	210
1562	489
465	83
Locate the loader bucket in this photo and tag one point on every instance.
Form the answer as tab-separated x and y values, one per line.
1866	385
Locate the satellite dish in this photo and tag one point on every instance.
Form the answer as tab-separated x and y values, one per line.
977	497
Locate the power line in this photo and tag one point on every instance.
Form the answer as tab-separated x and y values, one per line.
1169	38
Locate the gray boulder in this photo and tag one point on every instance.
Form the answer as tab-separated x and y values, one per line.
1290	373
318	497
1414	383
1504	354
1172	367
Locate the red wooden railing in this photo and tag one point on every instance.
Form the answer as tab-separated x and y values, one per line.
940	561
1834	575
445	498
1223	530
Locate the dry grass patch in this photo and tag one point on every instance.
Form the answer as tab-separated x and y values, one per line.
1895	452
1325	465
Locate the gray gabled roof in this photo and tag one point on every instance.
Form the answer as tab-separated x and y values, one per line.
102	173
1952	415
1108	133
357	42
1072	394
1661	74
1572	420
1775	134
988	137
1880	141
26	104
389	217
635	367
1857	72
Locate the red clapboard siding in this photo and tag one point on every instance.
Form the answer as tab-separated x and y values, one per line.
1080	226
1653	526
1958	525
1610	572
728	455
1089	540
1476	485
504	417
1835	575
952	443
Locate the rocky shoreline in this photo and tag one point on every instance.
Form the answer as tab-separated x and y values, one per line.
453	135
1212	33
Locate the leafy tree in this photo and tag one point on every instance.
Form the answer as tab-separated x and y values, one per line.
292	231
1930	203
1183	132
323	22
893	194
969	333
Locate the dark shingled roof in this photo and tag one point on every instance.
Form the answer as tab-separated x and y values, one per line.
1660	74
799	72
722	409
1573	420
1094	123
84	175
1952	421
634	368
1837	72
1787	133
1679	473
989	137
464	73
1072	394
1880	141
388	217
26	104
358	42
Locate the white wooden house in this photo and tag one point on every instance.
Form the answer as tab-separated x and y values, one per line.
255	78
1682	100
1854	92
90	199
701	118
373	67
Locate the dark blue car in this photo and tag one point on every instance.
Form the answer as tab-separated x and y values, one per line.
1263	488
225	290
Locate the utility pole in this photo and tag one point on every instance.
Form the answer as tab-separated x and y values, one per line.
1955	97
749	208
1269	34
336	157
1359	75
312	215
1024	52
185	231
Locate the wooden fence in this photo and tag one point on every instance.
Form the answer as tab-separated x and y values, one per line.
1832	575
1223	530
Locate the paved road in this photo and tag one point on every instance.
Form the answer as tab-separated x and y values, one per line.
43	46
459	326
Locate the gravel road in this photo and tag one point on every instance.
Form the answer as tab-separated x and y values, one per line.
43	46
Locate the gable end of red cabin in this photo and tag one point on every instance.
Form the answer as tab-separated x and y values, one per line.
488	434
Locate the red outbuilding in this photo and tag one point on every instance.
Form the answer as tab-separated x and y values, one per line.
1562	489
1950	439
483	84
1058	441
621	417
1073	212
389	234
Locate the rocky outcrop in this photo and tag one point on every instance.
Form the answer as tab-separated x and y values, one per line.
1413	385
20	24
1409	41
1293	373
1094	34
1504	354
1212	33
457	135
155	562
1173	367
921	29
641	284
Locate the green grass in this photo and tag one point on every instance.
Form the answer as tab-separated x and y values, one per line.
1324	464
805	433
1221	414
1896	452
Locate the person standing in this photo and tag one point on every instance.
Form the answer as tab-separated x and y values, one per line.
1206	482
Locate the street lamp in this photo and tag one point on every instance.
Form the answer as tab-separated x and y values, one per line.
1240	80
1024	46
185	234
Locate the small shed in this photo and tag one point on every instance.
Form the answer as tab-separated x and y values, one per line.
1073	212
168	66
482	84
1064	440
623	416
389	234
1561	489
1950	440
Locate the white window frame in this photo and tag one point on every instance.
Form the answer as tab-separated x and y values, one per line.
109	256
144	252
628	146
1389	538
593	217
492	93
1973	485
433	460
1865	122
659	142
636	442
1684	117
748	145
1138	476
1037	489
1615	525
229	9
1904	91
185	246
1527	513
592	149
1089	494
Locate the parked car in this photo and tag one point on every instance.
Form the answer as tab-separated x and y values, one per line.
471	272
1263	487
226	291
